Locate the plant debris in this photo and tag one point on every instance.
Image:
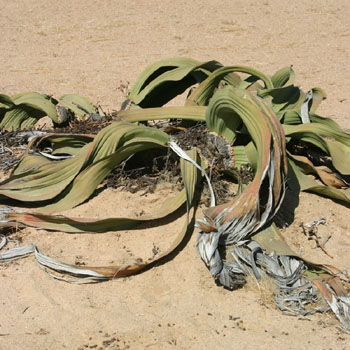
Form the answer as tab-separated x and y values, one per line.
12	147
141	173
247	129
310	230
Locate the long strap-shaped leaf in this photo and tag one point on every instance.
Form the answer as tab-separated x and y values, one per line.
59	143
196	113
230	223
166	79
75	179
300	181
334	143
203	93
25	109
268	137
190	178
283	77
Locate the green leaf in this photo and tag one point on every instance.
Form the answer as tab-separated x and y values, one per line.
5	101
283	77
165	79
15	118
78	177
267	135
38	102
195	113
202	94
80	105
297	178
284	98
318	95
334	143
190	178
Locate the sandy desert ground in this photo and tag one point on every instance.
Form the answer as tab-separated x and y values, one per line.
89	48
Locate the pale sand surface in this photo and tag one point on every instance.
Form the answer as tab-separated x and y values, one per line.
89	47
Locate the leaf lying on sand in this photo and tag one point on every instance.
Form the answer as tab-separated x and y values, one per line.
22	111
190	178
265	124
250	210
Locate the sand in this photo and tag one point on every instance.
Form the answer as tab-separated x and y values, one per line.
90	48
